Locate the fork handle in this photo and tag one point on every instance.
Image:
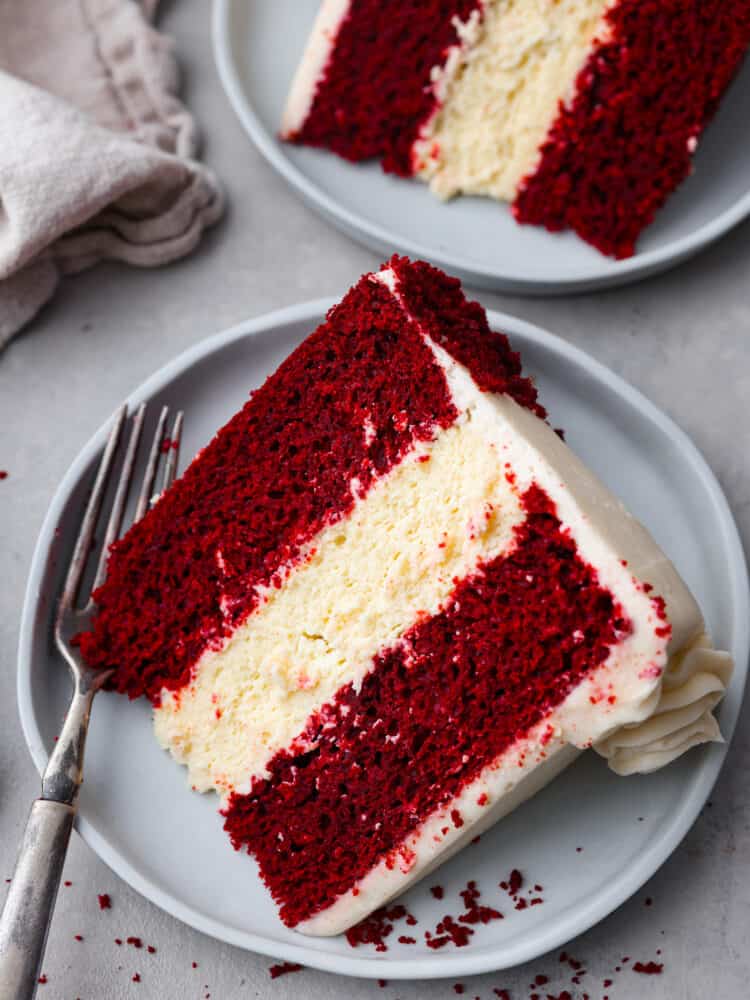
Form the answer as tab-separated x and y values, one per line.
28	907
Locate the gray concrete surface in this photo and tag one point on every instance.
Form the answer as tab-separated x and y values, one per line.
683	339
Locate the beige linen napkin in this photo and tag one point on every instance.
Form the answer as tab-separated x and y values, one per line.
96	151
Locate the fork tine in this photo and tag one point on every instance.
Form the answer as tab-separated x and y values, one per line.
147	489
88	524
173	455
121	495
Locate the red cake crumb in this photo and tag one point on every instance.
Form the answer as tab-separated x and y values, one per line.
382	983
437	891
374	94
42	979
151	950
474	913
3	474
447	931
452	930
136	977
118	941
503	994
624	142
648	968
459	988
135	941
283	969
194	965
574	963
105	903
377	927
404	939
78	937
490	623
67	884
515	882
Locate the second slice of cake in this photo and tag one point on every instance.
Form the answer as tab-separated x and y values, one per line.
387	603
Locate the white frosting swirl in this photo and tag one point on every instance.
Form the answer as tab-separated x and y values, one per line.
693	684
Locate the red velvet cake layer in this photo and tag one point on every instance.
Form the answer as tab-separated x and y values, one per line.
460	689
184	577
375	92
616	153
438	304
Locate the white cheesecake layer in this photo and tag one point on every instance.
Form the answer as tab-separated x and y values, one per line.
361	584
499	99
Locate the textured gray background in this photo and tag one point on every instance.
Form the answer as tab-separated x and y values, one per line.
683	339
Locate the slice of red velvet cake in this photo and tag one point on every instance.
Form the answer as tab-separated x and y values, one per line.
387	603
582	113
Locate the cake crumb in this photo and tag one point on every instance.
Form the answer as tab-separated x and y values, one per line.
648	968
283	969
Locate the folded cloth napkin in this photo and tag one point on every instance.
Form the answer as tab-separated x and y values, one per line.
96	151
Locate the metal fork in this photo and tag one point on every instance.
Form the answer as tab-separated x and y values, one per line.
28	907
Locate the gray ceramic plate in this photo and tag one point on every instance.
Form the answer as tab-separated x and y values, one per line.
136	807
257	47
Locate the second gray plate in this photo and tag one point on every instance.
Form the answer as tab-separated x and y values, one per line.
257	48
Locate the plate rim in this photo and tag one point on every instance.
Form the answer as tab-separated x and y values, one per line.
373	235
568	925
